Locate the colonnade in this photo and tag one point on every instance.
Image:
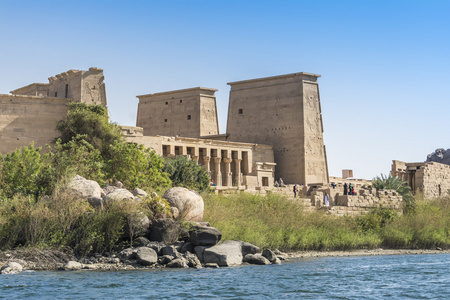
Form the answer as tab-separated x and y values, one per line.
225	166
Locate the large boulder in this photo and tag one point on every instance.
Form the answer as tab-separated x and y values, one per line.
146	256
189	203
72	266
118	195
440	155
88	189
11	267
139	193
248	248
256	259
271	256
178	263
204	236
225	254
164	230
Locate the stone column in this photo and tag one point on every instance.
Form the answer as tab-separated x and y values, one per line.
217	173
194	158
206	160
229	175
237	171
171	151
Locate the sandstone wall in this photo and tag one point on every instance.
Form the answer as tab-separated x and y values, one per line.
24	119
436	180
283	111
187	113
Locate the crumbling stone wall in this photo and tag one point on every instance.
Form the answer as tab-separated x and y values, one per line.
436	180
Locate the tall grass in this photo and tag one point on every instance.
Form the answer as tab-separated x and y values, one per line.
276	222
64	220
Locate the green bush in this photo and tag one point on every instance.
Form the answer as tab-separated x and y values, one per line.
24	171
91	121
65	159
136	166
186	173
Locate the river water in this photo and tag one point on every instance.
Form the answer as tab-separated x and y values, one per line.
368	277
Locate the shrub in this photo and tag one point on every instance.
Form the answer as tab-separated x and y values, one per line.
24	171
186	173
91	121
66	158
134	165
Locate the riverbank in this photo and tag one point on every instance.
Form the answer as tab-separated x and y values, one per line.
363	252
51	260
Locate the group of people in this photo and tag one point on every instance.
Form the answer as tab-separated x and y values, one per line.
349	190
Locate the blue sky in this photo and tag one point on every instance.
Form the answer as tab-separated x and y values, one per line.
384	64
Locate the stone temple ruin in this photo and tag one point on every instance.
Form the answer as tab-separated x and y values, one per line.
274	131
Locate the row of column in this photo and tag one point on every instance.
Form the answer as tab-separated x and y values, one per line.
208	162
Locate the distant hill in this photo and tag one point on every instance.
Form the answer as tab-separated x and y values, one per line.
440	155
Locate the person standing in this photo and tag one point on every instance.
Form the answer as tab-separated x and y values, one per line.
295	190
326	200
350	189
345	188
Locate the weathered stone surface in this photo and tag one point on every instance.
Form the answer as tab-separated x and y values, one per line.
272	257
192	260
88	189
212	265
440	155
137	224
72	266
189	203
146	256
118	195
204	236
188	246
177	263
126	254
139	193
256	259
228	253
165	259
141	242
199	250
165	230
155	246
168	250
248	248
11	267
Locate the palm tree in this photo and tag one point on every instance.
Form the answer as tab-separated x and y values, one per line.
395	183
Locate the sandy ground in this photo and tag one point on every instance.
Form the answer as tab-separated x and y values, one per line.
363	252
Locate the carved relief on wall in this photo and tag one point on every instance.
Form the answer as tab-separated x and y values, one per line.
92	92
315	168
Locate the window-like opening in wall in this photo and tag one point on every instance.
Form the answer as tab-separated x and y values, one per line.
181	101
56	94
265	181
165	120
67	90
241	111
189	117
167	103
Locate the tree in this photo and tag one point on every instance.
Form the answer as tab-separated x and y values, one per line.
134	165
186	173
24	171
394	183
93	123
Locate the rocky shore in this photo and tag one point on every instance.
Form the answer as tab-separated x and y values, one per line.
15	261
